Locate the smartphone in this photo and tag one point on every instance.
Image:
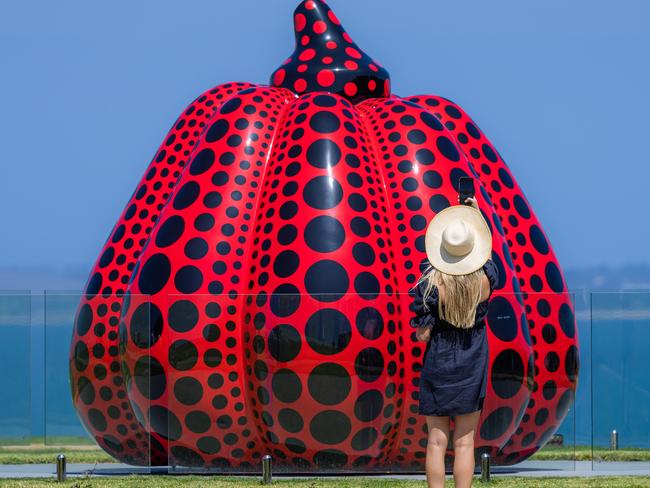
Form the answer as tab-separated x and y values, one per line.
465	189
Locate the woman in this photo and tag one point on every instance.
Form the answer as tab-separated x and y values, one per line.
450	304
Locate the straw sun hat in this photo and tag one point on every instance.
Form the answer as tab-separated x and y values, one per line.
458	240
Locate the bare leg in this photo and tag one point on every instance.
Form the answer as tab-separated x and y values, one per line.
464	430
436	448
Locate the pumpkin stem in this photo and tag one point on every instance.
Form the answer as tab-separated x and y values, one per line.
327	59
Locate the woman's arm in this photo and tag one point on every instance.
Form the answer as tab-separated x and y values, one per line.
423	334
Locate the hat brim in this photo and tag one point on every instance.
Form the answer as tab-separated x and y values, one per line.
458	265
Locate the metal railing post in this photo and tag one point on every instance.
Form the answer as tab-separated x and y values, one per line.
613	441
60	468
485	467
266	470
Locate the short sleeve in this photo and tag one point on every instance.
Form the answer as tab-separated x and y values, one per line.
492	272
423	317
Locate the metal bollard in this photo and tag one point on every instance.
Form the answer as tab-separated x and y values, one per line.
60	468
485	467
613	441
266	470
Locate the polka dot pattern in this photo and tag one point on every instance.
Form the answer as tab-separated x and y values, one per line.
548	316
416	150
278	231
326	59
98	325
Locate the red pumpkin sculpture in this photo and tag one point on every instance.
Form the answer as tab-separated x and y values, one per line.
253	298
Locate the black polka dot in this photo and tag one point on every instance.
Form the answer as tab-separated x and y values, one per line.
521	207
285	300
284	343
424	156
501	319
286	385
84	319
363	254
328	331
549	390
188	279
363	439
548	333
183	315
287	234
489	153
188	390
113	444
198	422
496	424
196	248
187	195
507	373
327	281
369	405
231	105
324	234
538	240
438	203
370	323
81	356
154	274
149	377
357	202
369	364
323	153
184	456
553	277
330	427
202	162
290	420
431	121
324	122
329	383
107	257
432	179
323	193
217	130
416	136
208	445
97	420
183	355
360	227
505	178
85	390
146	325
324	101
564	404
447	148
572	363
552	361
94	285
165	423
286	263
543	307
366	285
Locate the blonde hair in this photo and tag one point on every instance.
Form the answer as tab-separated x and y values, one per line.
462	295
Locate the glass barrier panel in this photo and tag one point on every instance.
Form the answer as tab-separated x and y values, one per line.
332	383
90	380
620	383
15	364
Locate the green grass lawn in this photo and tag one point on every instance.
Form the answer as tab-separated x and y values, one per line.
230	482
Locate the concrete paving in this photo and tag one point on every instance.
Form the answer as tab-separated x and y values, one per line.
528	469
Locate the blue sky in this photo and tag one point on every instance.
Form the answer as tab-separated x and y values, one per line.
89	89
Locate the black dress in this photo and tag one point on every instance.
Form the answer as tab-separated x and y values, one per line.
453	380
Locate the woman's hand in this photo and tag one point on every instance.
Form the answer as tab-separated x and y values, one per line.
471	200
423	334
